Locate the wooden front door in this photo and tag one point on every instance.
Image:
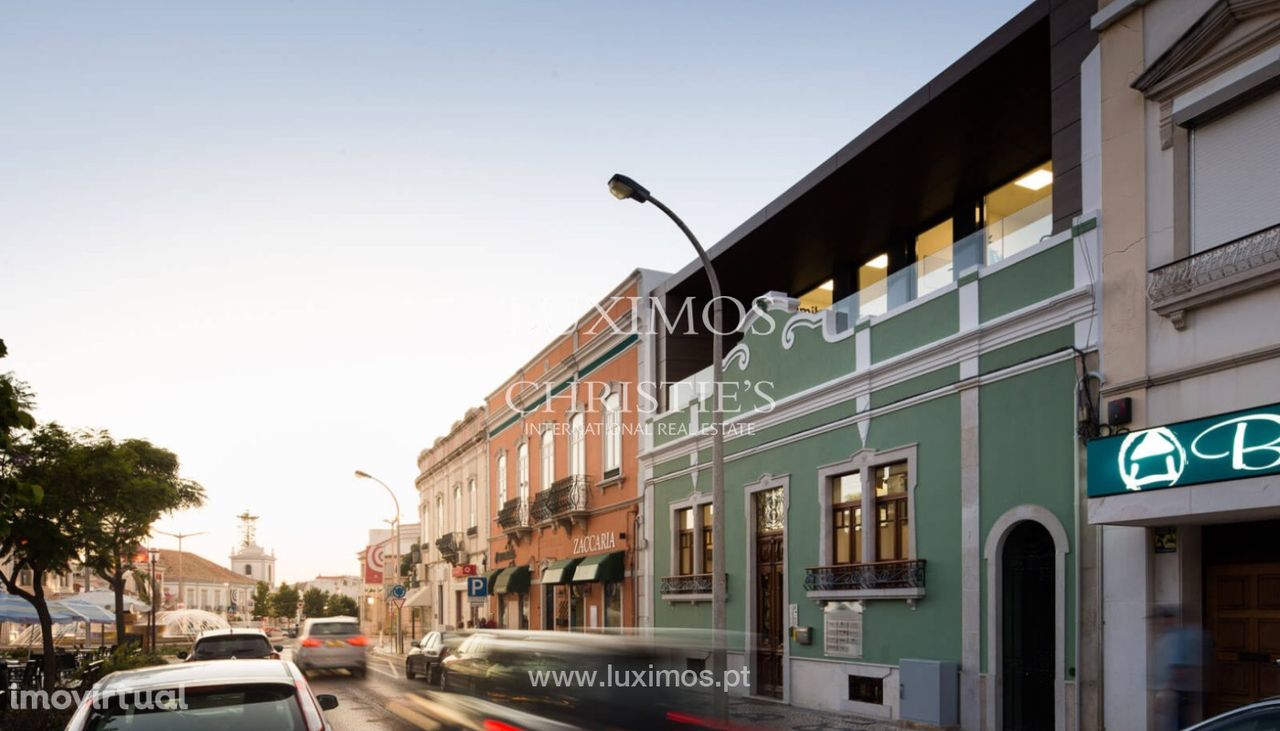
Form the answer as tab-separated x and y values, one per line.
1242	615
770	620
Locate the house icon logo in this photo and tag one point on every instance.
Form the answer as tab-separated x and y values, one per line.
1151	458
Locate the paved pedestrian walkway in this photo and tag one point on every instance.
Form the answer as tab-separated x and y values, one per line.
777	717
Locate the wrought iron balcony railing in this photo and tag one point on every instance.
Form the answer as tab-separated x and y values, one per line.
541	509
451	546
866	576
568	495
514	515
1223	271
684	585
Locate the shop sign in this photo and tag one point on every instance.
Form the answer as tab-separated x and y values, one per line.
465	569
596	542
501	556
1214	449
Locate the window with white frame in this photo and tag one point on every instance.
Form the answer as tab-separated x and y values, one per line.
522	469
867	504
502	479
547	460
440	516
691	536
457	507
577	450
612	434
471	501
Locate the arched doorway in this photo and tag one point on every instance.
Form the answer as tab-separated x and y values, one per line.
1027	631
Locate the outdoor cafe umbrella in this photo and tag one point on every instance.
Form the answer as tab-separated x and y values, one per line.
20	611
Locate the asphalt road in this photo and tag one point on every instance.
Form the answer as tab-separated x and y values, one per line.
365	703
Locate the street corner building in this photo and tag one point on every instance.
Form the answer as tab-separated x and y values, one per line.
1182	483
563	445
453	507
902	470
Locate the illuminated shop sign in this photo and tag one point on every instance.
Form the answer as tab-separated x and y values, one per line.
1217	448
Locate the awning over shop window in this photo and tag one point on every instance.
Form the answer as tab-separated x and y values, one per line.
491	579
418	598
514	580
560	572
600	567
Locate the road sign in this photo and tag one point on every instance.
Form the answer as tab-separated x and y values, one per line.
477	587
398	592
399	602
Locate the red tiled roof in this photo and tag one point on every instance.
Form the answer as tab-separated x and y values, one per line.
199	569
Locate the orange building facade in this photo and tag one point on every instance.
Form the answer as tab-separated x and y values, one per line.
564	437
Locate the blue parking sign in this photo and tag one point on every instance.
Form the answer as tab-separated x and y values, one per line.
477	587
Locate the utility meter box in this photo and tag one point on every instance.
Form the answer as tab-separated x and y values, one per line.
929	691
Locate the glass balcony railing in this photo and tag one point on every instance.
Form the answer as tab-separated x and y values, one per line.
998	241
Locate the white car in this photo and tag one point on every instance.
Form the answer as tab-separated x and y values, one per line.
246	694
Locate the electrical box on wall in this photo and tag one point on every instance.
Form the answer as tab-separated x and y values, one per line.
1120	411
802	635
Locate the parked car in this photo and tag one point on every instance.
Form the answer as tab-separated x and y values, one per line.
332	643
425	656
232	644
1260	716
251	694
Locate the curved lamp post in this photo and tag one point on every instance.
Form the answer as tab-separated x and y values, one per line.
396	554
624	188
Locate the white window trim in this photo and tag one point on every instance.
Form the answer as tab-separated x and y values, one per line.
577	444
457	507
471	501
547	456
611	443
694	501
864	462
500	467
522	470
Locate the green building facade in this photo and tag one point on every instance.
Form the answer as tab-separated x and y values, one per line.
898	487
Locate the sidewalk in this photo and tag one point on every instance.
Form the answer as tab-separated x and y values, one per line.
777	717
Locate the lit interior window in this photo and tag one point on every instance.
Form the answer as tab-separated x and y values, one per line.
819	298
1020	213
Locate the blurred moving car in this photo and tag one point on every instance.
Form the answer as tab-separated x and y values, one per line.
332	643
1261	716
559	680
232	644
252	694
425	656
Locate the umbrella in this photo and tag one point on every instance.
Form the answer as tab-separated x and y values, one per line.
16	609
84	610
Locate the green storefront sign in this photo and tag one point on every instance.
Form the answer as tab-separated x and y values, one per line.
1213	449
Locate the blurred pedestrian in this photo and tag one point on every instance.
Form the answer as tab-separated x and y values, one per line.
1178	670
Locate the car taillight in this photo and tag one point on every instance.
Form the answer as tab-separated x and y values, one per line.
492	725
358	641
310	643
307	704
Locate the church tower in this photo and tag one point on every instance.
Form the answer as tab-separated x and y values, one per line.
249	559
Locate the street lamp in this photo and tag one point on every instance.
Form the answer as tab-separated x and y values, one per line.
624	188
365	475
152	555
182	578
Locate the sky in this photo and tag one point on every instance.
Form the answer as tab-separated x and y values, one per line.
290	240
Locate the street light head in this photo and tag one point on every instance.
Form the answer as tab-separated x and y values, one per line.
623	188
362	473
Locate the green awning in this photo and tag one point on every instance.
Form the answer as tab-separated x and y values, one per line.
560	572
600	567
491	579
514	580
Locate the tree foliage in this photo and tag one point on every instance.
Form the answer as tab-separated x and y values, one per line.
16	402
262	600
133	484
284	602
341	605
313	602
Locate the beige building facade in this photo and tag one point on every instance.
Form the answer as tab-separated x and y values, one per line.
453	508
1183	487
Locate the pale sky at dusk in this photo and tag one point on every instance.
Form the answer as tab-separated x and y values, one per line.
288	240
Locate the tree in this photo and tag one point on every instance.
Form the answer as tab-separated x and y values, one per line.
45	537
340	605
313	602
284	603
15	416
133	483
262	600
